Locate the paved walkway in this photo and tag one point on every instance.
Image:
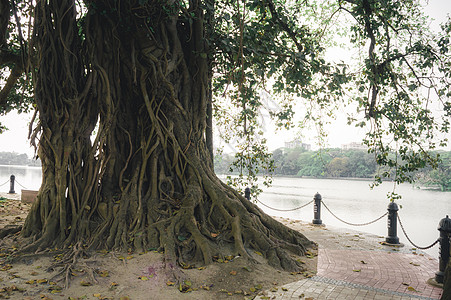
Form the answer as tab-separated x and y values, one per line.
10	196
354	265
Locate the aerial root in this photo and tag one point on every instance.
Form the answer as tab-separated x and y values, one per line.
67	264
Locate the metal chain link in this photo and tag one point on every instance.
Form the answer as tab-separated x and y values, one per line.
5	182
405	233
353	224
302	206
21	185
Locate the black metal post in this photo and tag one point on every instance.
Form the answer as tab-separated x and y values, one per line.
11	184
317	209
247	193
392	222
444	226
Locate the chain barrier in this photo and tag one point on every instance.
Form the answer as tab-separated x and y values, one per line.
302	206
20	184
5	182
405	233
352	224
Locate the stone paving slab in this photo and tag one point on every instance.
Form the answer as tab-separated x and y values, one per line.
10	196
354	265
320	288
398	272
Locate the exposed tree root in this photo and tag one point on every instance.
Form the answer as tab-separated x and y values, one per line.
67	263
9	230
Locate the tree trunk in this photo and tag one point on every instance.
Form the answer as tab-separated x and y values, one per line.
147	179
67	116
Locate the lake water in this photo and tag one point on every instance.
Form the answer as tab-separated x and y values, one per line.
354	202
27	178
351	200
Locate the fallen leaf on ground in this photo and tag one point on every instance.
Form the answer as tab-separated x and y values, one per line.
185	288
103	273
188	283
300	261
6	267
357	270
85	283
233	273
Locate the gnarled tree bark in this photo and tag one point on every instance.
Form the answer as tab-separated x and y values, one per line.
146	180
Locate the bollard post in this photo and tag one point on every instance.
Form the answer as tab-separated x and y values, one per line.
247	193
392	222
11	184
444	226
317	209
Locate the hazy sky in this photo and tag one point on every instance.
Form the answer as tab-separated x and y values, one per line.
16	140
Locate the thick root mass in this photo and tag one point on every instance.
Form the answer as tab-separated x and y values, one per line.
143	179
210	221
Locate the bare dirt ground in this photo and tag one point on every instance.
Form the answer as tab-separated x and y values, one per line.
136	276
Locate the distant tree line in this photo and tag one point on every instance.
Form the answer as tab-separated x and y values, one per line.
338	163
13	158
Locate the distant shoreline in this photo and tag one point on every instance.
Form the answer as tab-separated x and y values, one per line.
20	166
431	188
311	177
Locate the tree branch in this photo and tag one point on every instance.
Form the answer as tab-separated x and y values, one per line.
284	25
4	19
8	57
16	72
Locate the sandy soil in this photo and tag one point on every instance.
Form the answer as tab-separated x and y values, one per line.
137	276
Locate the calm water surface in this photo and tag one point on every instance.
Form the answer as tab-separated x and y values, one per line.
28	178
354	201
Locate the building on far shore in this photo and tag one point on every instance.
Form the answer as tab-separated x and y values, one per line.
298	144
354	146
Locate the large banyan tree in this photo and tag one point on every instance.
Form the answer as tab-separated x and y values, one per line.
126	93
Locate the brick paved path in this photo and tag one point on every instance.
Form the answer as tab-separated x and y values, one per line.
353	265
